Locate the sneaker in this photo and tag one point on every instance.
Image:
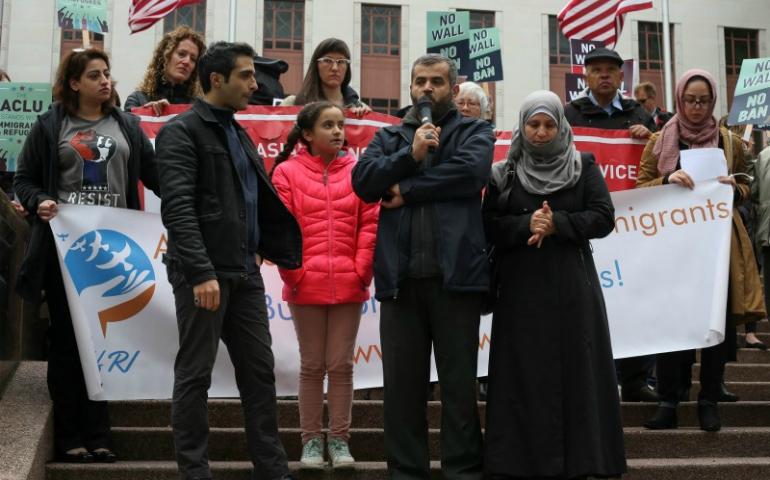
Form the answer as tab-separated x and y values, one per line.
339	454
313	454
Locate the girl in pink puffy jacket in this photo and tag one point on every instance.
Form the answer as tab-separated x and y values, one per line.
326	295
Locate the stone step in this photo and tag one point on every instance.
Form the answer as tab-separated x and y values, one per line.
226	413
739	414
742	372
747	391
762	336
229	444
762	327
642	469
753	355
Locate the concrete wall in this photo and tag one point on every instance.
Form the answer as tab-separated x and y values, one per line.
29	47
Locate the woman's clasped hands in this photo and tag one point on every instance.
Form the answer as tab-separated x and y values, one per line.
541	225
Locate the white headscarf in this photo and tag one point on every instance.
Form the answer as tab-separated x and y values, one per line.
553	166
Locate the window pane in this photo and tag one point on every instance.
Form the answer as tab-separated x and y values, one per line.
283	27
365	33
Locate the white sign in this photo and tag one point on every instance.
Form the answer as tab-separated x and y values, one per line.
663	273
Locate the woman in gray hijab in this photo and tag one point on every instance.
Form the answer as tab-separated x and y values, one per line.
552	407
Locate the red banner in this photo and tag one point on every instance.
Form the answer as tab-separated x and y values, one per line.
617	154
268	127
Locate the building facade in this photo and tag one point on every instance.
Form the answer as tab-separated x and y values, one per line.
387	35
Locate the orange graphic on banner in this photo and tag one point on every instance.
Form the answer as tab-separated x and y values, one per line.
126	310
484	341
368	353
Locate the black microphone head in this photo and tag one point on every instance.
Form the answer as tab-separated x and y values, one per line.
423	108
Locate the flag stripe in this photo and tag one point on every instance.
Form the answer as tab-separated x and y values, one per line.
597	19
144	13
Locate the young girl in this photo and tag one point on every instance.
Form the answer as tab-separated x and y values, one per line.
326	295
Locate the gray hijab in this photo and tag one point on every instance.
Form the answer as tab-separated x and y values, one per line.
553	166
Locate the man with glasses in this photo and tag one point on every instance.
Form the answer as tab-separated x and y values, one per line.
602	106
644	93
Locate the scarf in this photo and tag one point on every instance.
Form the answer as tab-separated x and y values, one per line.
551	167
701	135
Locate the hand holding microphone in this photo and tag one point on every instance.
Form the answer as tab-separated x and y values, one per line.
426	137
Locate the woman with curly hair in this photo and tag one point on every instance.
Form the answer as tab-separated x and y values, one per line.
328	78
172	76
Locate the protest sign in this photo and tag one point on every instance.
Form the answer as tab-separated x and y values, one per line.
20	105
88	15
574	84
448	34
665	268
268	127
126	326
750	102
578	50
617	154
486	59
124	316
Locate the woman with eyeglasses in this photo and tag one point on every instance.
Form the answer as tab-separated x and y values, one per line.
83	151
172	76
328	78
694	126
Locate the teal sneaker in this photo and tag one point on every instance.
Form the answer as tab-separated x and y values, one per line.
313	454
339	454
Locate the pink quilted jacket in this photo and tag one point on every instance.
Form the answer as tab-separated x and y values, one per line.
338	231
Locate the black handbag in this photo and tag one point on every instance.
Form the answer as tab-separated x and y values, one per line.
503	177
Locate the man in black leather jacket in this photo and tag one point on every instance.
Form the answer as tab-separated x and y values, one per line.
430	270
223	217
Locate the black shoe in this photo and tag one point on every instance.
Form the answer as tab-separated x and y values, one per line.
708	418
82	457
643	394
758	345
724	395
288	476
482	391
664	419
104	456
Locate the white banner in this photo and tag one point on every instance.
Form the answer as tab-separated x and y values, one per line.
663	273
125	322
664	269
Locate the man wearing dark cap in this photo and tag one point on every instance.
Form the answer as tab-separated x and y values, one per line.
601	105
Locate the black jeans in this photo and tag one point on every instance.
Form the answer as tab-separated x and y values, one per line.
423	316
78	421
241	322
673	369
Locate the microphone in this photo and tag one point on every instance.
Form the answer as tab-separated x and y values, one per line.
423	108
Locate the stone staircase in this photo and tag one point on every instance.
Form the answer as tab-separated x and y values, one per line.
741	450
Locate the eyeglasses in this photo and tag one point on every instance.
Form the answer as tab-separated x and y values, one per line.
691	103
469	103
642	100
341	62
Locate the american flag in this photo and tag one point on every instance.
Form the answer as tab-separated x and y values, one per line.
598	19
144	13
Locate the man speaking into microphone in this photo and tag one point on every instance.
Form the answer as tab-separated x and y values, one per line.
430	269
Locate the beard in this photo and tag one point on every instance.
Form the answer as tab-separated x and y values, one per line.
438	107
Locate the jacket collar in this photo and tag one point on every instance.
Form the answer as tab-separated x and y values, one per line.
201	107
315	164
